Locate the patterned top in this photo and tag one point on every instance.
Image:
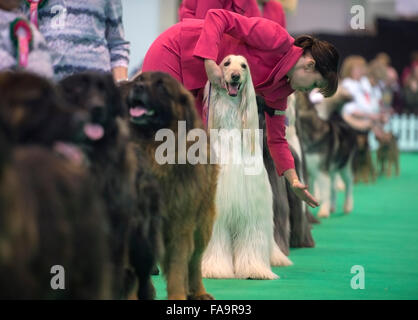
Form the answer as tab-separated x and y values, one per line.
83	35
39	60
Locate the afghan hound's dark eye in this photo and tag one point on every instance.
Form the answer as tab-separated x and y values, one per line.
227	63
244	66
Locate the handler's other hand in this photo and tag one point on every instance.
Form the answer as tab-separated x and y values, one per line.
214	73
303	194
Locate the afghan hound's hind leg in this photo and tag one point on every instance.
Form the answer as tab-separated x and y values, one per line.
252	252
278	258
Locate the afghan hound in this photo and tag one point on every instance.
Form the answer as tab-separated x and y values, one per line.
242	243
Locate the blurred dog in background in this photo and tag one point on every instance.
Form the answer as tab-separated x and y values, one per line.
388	157
292	219
50	212
328	145
113	162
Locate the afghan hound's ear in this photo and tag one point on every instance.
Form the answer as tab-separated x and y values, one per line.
249	112
248	104
207	113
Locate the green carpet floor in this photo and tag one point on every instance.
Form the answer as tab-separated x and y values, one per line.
381	234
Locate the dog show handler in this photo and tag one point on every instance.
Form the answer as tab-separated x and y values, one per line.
269	9
82	35
191	50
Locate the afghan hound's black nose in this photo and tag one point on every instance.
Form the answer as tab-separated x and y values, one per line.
235	77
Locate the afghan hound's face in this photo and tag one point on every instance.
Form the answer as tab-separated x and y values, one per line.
156	100
235	70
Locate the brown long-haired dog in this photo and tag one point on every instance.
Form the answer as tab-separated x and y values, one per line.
363	167
157	101
281	207
301	219
50	216
121	178
292	227
388	157
32	111
49	209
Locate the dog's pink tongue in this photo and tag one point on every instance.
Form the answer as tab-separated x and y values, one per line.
233	90
137	112
93	131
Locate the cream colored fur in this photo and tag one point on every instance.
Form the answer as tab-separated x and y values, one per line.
242	243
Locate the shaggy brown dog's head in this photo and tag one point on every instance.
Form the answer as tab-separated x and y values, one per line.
98	103
31	110
155	100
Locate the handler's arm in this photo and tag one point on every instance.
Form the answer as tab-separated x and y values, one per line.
283	159
115	36
256	32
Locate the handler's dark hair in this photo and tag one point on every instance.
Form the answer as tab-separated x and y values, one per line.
326	59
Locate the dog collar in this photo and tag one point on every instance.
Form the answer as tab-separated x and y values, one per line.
34	5
279	112
273	112
21	35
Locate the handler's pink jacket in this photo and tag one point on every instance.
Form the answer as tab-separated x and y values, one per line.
197	9
274	11
267	46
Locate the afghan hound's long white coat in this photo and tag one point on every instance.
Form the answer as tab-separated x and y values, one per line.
242	243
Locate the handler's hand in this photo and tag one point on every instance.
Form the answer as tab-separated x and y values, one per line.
214	73
303	194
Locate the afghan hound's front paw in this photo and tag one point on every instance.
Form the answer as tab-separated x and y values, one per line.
282	262
279	259
205	296
256	271
217	268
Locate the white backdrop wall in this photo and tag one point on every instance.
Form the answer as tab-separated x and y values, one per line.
334	15
144	20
